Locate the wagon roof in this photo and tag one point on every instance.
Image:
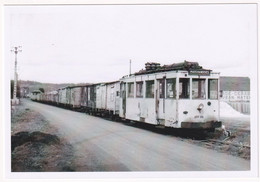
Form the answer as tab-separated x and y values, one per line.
75	86
62	88
111	82
52	92
105	83
36	91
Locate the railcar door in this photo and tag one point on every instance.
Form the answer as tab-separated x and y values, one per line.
123	102
68	96
92	95
185	106
83	96
160	101
169	105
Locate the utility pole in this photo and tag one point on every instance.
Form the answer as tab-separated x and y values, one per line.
130	67
15	50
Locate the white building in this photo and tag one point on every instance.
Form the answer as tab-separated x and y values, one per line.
236	92
234	96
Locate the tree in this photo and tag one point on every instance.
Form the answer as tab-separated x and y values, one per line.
41	89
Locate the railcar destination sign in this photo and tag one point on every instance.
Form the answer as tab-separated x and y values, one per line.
200	72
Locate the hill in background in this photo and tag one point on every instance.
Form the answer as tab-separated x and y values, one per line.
235	83
33	85
226	83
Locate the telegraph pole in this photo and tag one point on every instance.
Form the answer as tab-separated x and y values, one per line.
15	50
130	67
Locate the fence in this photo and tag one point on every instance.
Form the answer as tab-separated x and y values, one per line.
243	107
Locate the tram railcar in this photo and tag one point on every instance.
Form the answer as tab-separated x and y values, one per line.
180	96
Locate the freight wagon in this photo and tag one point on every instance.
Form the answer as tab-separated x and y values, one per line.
103	99
35	95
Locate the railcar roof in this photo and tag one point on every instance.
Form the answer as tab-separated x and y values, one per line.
183	66
36	91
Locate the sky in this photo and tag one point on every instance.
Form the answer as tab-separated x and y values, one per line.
94	43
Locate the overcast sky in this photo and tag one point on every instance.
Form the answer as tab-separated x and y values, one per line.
94	43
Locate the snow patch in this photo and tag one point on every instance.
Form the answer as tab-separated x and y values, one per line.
226	111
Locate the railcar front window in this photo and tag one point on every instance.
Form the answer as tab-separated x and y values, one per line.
184	88
139	89
150	89
121	89
213	89
198	89
130	89
171	91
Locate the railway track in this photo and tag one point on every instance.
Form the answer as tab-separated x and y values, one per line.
211	142
227	145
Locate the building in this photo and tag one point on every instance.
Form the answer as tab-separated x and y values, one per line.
235	96
24	92
236	92
235	89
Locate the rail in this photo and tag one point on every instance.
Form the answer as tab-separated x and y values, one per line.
223	142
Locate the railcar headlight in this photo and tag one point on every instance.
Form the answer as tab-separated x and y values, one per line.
200	107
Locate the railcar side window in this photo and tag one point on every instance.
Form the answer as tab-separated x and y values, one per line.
121	89
213	89
139	89
171	91
162	88
198	89
150	89
130	89
184	88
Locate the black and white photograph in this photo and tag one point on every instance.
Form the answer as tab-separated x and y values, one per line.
131	90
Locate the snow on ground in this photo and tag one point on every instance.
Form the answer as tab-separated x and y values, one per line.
233	119
229	112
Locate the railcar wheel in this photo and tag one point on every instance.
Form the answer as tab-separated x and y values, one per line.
227	133
211	130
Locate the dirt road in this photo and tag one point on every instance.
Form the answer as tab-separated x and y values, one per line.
102	145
